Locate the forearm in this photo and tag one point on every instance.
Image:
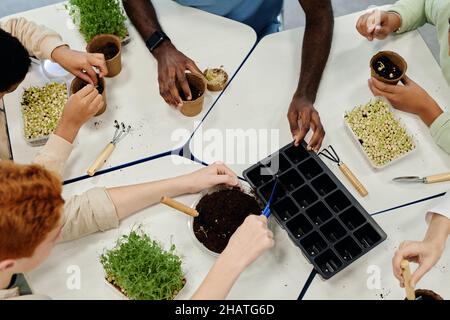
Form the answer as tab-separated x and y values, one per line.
316	46
438	230
430	111
219	281
143	15
131	199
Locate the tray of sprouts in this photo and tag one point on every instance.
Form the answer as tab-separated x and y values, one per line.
42	105
381	136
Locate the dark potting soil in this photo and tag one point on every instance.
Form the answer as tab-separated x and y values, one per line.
220	214
384	67
109	50
427	295
99	86
195	93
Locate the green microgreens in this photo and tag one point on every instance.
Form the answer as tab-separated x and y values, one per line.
95	17
142	269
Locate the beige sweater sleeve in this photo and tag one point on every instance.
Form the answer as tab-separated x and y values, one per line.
38	40
87	213
54	154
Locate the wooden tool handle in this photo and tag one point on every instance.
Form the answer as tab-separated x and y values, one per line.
101	159
438	178
406	274
353	179
179	206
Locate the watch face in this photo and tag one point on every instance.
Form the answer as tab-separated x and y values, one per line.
155	40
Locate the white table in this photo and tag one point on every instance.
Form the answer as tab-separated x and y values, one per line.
407	223
278	274
133	96
259	96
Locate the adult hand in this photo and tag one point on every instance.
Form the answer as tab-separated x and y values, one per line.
378	24
172	66
248	242
80	107
409	97
208	177
81	64
426	254
302	110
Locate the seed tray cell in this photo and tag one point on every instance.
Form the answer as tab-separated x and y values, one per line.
321	216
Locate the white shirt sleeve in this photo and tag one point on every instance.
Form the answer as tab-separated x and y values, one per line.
442	208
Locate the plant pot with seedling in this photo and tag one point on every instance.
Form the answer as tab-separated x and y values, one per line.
140	269
216	78
78	84
197	84
221	211
94	17
110	46
388	67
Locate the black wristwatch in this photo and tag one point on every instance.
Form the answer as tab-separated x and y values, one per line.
155	40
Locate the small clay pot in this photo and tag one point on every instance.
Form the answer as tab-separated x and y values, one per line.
426	295
111	46
78	84
198	87
396	59
216	79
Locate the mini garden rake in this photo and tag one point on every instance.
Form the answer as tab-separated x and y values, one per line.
121	132
332	155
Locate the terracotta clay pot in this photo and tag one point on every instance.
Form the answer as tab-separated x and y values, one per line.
111	46
197	83
396	59
78	84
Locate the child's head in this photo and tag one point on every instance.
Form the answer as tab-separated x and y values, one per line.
30	215
15	63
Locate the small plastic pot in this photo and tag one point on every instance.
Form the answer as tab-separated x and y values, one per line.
78	84
111	46
198	85
216	79
394	58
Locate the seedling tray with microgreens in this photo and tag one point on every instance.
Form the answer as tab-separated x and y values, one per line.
319	214
139	268
42	106
379	134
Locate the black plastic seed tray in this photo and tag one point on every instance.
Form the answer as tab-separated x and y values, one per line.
318	212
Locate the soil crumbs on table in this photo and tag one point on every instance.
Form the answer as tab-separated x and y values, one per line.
221	213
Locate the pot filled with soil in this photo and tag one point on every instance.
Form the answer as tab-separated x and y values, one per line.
221	211
423	294
138	268
216	79
78	84
197	84
111	47
388	67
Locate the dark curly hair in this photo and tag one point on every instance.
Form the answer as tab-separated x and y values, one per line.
15	61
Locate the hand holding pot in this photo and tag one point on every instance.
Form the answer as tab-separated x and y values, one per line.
81	64
208	177
378	24
172	65
249	242
302	111
80	107
409	97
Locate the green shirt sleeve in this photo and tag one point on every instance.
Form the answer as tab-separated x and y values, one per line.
440	130
412	13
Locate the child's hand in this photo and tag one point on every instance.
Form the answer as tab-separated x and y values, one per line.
409	97
249	242
426	253
378	24
81	64
208	177
80	107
